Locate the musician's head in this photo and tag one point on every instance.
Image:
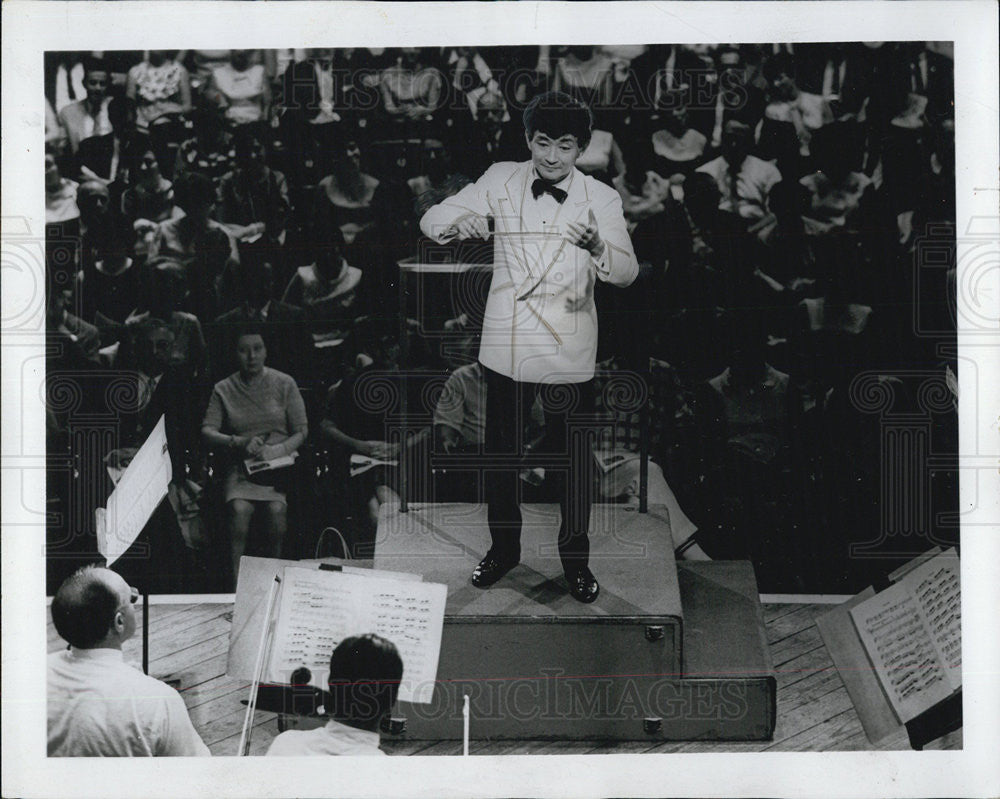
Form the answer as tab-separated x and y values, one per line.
557	128
95	609
365	671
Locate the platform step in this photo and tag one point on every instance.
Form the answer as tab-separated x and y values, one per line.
536	664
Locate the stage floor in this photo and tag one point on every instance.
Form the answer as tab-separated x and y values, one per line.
189	642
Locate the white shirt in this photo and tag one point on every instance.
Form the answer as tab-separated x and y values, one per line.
544	208
100	706
333	739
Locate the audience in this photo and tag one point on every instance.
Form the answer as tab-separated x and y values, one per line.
181	204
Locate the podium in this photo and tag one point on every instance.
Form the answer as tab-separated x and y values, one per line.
668	651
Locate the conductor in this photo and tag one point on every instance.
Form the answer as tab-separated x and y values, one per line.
555	231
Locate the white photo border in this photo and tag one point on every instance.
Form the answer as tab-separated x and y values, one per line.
30	28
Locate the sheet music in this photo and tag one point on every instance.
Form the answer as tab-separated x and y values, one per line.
318	609
937	588
142	487
912	634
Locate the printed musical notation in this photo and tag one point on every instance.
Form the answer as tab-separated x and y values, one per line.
912	633
941	596
318	609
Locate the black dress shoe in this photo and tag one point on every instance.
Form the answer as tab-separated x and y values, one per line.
490	569
583	585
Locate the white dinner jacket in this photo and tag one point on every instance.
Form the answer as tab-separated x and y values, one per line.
529	334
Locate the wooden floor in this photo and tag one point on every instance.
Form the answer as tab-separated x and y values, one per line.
188	643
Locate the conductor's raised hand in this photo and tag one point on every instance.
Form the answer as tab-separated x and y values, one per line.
472	226
586	236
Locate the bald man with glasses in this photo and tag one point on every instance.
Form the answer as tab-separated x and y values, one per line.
99	705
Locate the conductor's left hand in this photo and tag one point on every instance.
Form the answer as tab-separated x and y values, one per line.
586	236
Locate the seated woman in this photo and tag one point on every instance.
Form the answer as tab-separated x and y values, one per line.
676	147
790	118
833	193
199	243
159	86
253	198
582	71
835	206
241	89
202	63
412	89
148	195
161	296
358	421
290	347
256	414
108	286
351	193
328	288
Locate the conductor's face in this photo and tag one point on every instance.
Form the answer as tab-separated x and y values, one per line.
553	158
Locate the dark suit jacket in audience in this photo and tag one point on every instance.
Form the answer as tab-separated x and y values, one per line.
96	153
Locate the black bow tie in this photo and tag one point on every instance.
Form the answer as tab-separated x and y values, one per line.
540	187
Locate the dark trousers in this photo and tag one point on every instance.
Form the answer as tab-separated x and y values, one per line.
565	452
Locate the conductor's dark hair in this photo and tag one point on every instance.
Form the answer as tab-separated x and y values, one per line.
365	671
556	114
83	608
